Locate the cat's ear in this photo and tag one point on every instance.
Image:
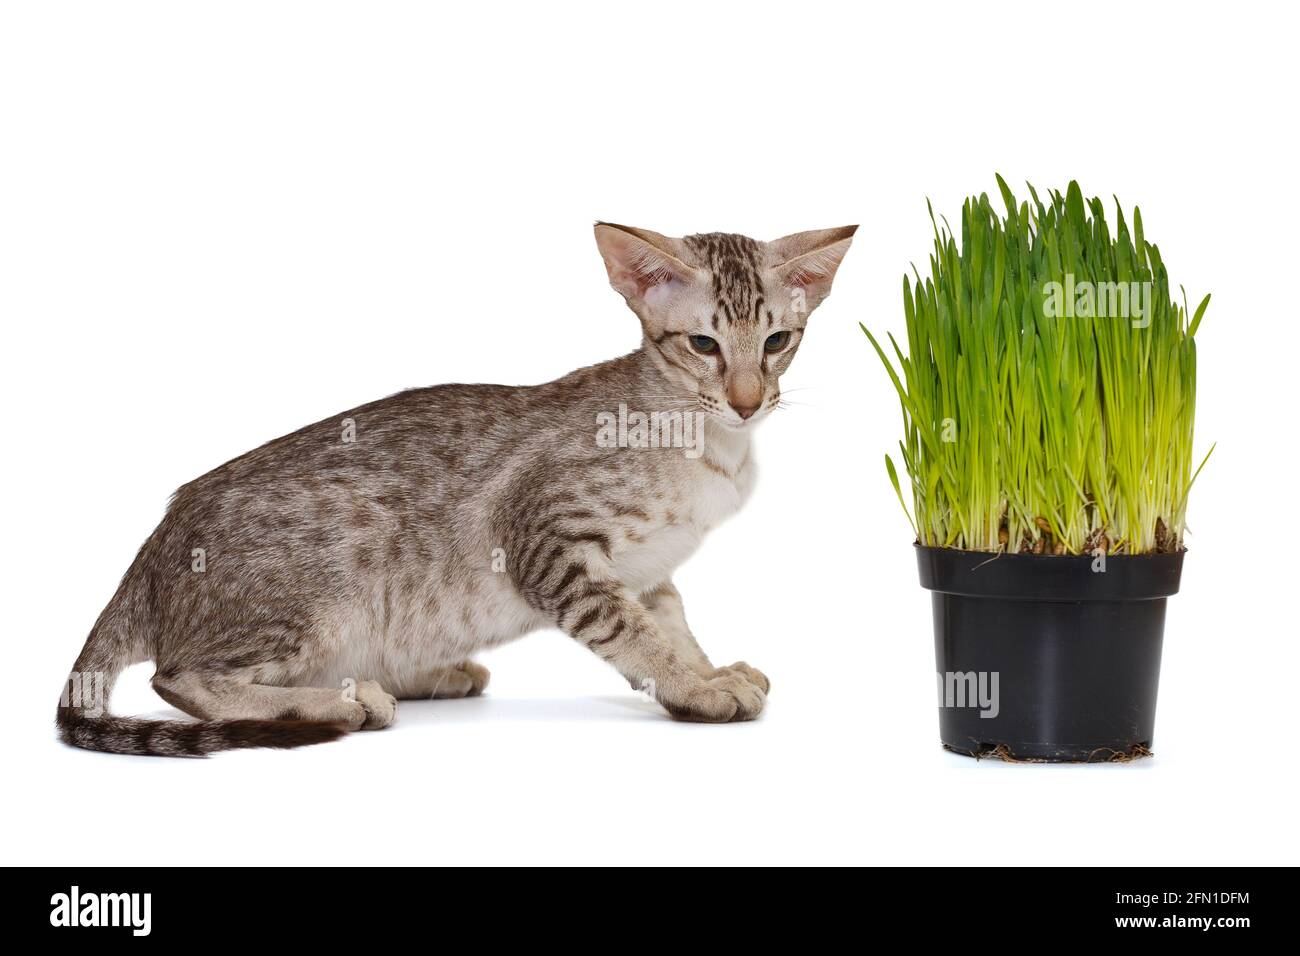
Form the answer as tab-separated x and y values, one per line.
809	260
642	265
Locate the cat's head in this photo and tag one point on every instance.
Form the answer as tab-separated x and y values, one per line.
722	314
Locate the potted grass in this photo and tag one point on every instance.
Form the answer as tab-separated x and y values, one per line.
1048	396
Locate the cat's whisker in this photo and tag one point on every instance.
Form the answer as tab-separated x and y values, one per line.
643	402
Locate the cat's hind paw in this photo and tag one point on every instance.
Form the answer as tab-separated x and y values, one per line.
380	706
466	679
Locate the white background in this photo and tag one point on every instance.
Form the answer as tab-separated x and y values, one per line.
221	222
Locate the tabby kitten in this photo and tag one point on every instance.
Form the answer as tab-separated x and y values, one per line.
293	594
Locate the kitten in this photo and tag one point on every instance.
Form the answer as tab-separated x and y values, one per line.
293	594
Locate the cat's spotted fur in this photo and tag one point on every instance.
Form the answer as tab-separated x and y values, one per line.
340	574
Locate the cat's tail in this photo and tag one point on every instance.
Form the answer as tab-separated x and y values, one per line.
188	738
114	644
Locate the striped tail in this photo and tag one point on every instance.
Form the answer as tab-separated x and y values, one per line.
83	720
184	738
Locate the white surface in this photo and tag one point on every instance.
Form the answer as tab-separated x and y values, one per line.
220	223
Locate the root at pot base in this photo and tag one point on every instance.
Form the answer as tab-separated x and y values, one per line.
1101	755
1076	651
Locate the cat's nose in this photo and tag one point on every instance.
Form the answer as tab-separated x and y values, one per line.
745	391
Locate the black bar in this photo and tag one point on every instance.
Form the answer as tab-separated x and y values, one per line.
209	905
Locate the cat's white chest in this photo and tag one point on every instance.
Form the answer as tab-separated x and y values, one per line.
724	478
645	564
722	493
707	493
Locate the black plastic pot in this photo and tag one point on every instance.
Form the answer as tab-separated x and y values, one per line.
1041	657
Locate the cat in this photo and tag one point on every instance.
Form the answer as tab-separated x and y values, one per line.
295	593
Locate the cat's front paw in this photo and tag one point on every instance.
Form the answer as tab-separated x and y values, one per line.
751	674
725	697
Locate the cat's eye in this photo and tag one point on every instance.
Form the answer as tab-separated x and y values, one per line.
776	341
703	344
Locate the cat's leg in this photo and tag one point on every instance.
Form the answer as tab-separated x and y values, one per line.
574	582
363	706
466	679
665	604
